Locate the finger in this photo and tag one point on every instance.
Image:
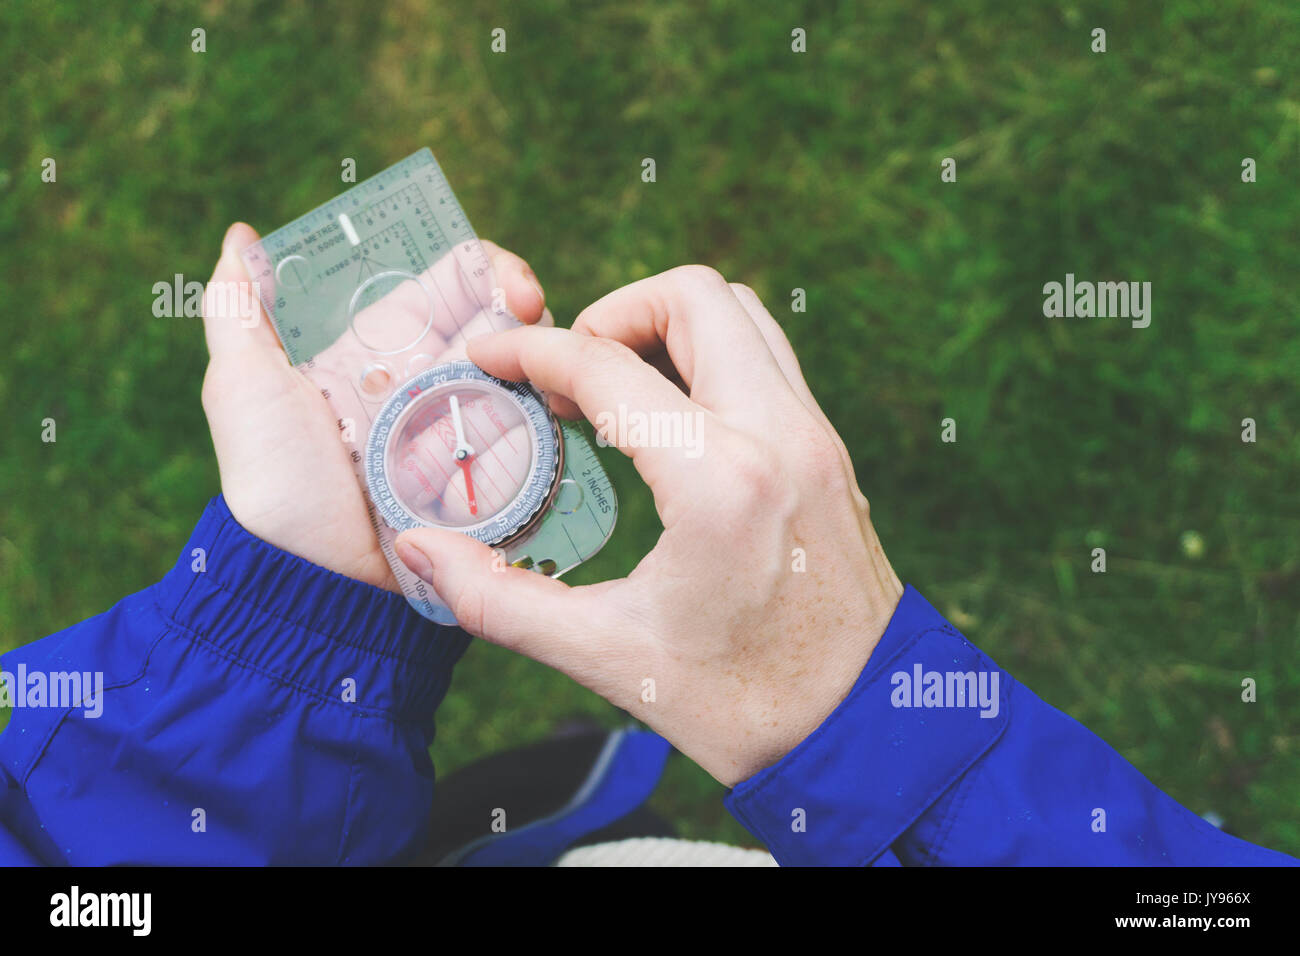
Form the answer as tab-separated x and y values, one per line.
522	610
483	323
658	361
447	302
692	312
776	341
614	389
524	294
783	352
391	340
480	277
233	321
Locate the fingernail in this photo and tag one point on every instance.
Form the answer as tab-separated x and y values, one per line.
532	279
415	559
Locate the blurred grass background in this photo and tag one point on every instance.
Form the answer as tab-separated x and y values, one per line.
818	171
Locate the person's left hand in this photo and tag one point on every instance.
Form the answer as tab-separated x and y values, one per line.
285	474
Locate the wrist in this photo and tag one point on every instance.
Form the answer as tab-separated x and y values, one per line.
249	601
882	758
314	537
825	677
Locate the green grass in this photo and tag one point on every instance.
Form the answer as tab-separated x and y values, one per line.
818	171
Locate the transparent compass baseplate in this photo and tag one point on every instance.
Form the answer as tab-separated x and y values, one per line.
374	296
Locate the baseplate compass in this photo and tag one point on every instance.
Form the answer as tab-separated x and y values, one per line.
374	296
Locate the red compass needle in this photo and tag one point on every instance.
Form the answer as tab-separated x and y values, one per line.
465	464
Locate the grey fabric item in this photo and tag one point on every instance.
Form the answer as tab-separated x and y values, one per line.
664	851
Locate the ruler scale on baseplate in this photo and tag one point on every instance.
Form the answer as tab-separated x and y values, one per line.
374	296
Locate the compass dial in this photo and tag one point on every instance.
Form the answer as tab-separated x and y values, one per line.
458	448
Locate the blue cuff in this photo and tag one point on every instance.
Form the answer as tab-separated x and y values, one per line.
306	625
887	753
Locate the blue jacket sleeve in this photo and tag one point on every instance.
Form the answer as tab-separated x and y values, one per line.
938	758
250	708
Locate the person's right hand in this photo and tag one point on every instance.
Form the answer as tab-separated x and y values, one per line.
768	589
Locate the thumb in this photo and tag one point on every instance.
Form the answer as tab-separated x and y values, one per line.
525	611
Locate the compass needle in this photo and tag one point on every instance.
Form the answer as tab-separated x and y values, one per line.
465	466
464	451
502	486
